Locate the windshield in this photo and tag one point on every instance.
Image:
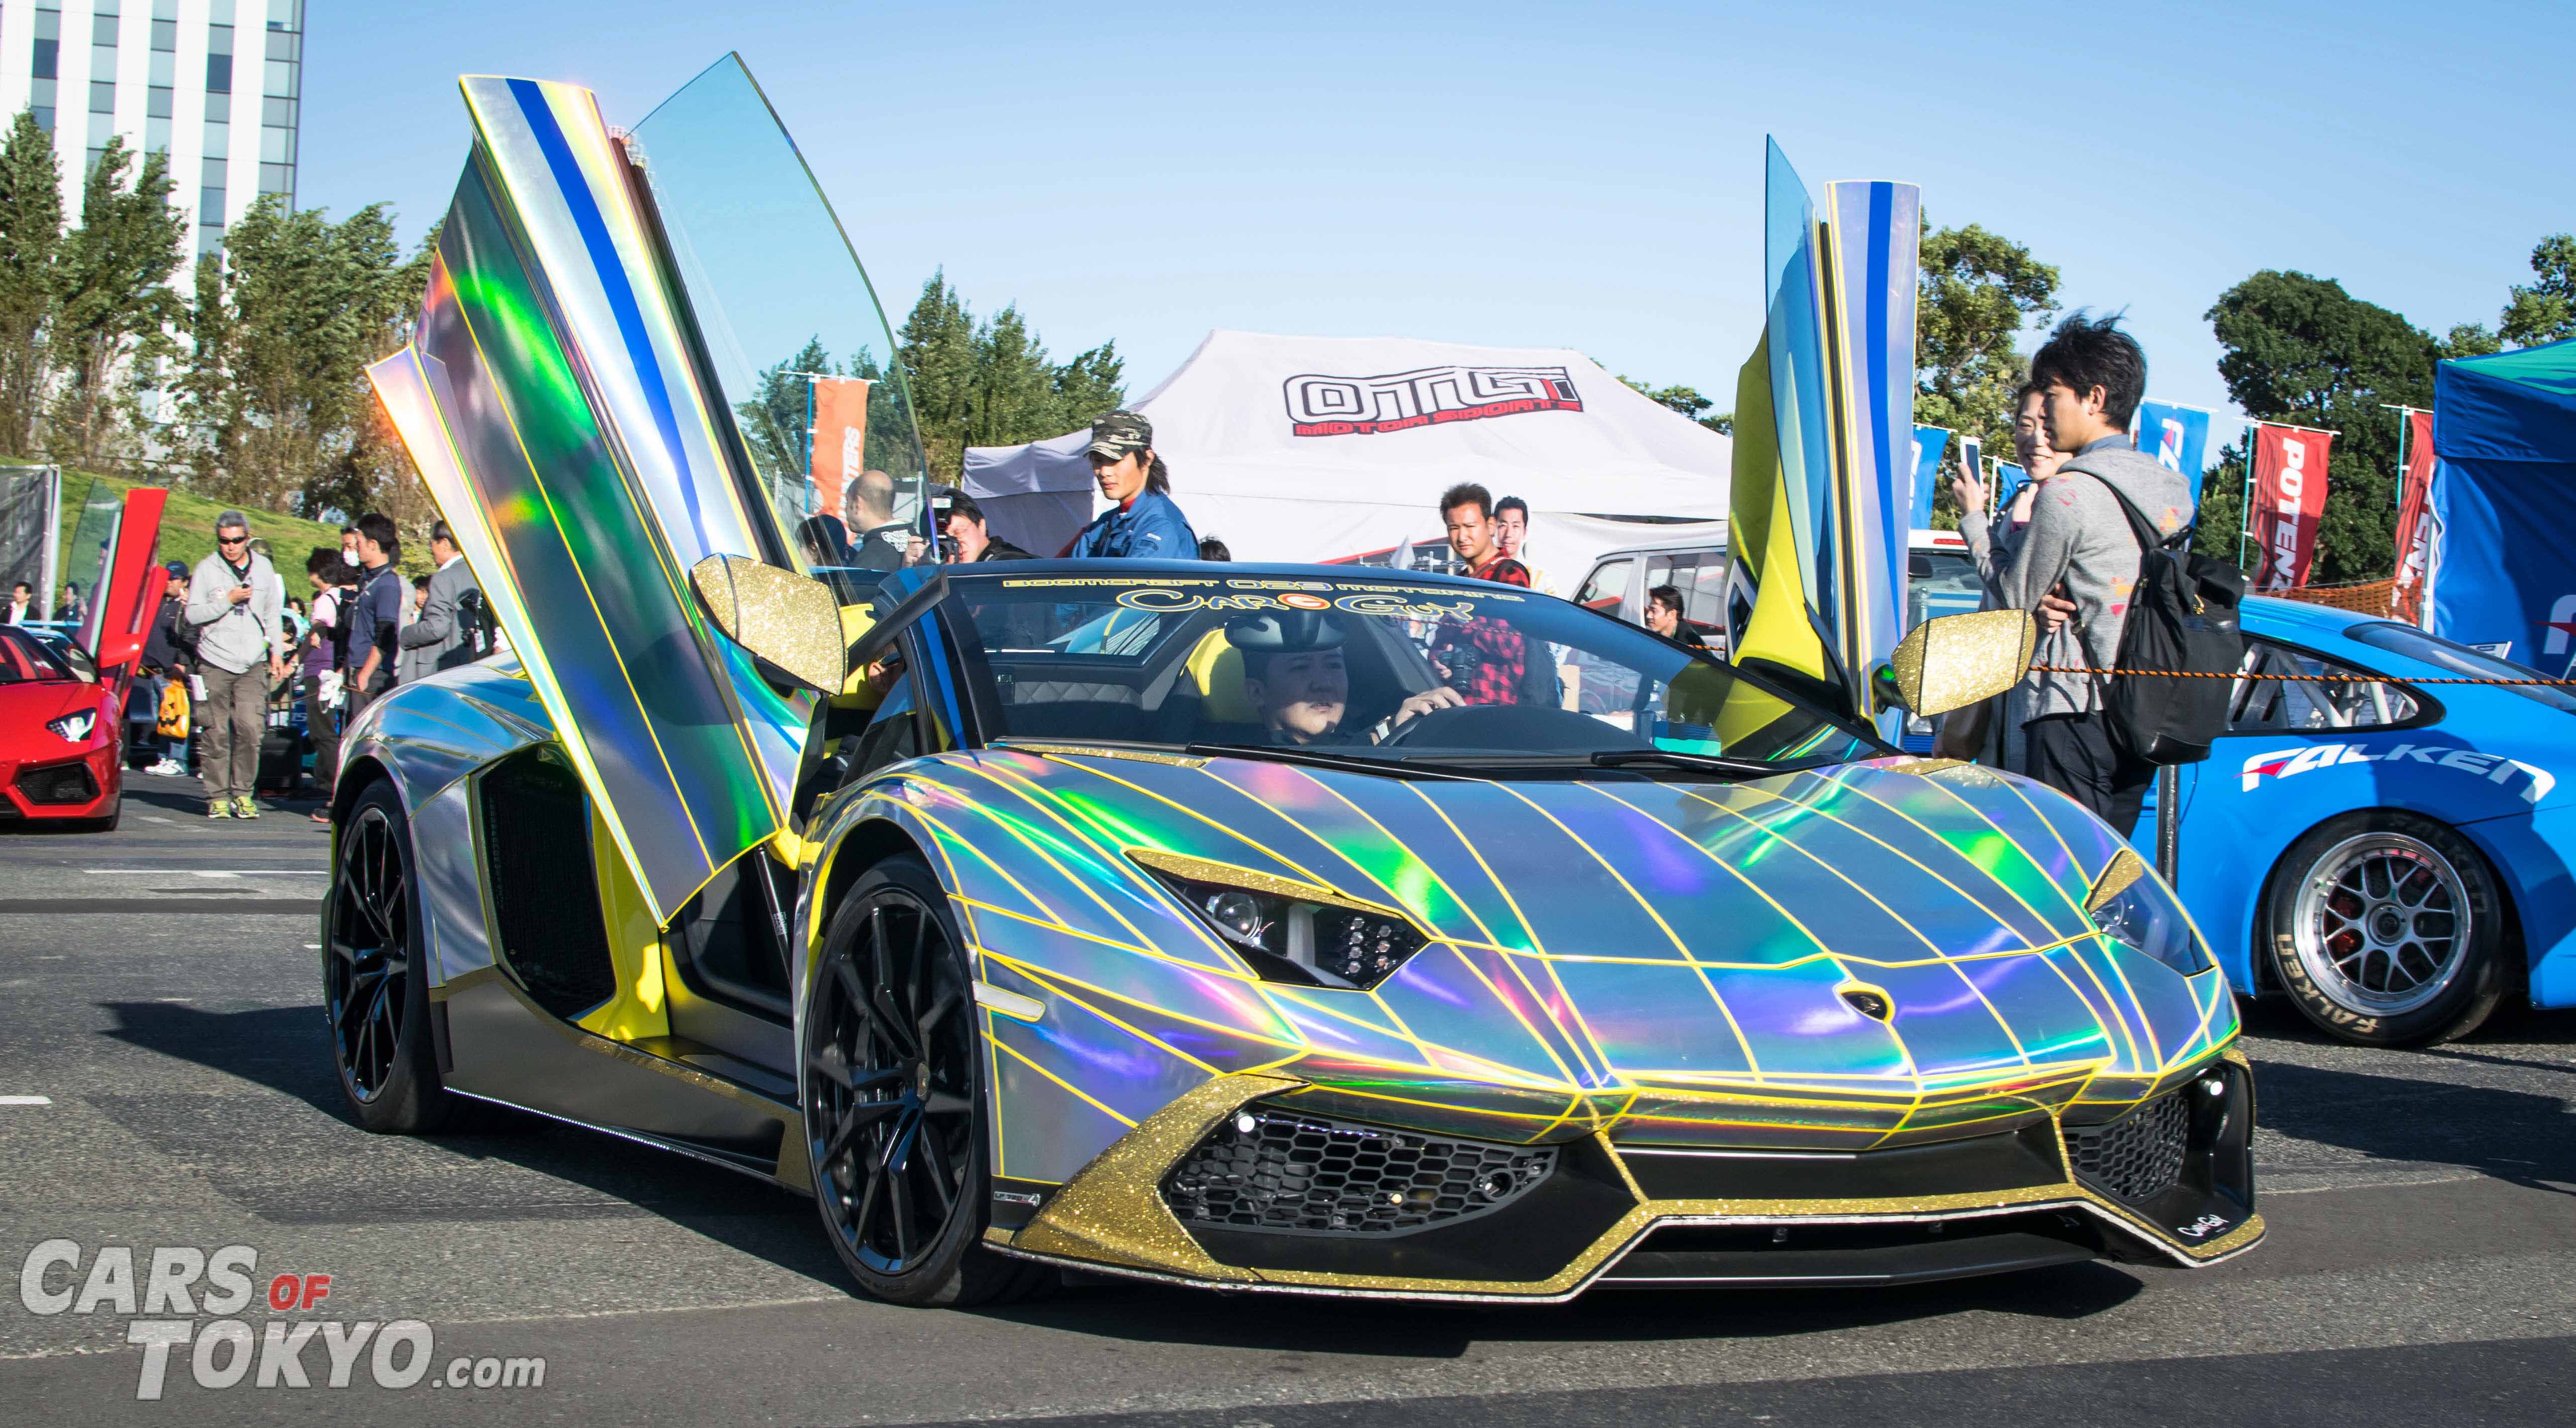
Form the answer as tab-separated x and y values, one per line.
2459	659
24	659
1375	669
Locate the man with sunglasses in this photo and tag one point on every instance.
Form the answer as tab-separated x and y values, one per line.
232	605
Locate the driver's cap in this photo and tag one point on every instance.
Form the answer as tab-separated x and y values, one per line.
1284	632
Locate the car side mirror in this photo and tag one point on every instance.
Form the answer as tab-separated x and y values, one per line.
1956	660
786	619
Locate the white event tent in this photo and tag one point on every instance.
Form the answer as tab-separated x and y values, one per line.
1324	448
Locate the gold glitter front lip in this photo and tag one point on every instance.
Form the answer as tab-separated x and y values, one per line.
1111	1217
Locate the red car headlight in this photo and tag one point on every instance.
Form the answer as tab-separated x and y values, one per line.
74	727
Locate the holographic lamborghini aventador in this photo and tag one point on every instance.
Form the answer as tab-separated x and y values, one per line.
1300	929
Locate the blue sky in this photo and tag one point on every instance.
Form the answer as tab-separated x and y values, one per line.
1571	175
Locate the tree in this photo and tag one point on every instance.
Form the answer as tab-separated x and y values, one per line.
2299	349
1687	401
31	232
991	383
1978	292
113	306
285	323
2546	310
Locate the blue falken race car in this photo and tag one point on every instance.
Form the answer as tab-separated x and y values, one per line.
2388	851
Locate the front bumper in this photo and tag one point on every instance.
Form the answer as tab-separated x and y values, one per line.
2168	1183
82	785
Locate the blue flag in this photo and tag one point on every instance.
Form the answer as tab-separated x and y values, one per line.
2009	480
1929	443
2177	437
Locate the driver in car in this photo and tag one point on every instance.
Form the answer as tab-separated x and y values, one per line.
1295	679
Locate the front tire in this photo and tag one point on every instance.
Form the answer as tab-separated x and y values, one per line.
375	978
2388	929
895	1099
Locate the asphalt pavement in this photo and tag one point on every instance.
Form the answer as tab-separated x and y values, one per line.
165	1085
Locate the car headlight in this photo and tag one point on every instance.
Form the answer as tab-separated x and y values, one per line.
1289	931
2140	913
74	727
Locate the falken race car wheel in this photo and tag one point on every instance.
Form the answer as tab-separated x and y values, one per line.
2387	930
894	1098
375	983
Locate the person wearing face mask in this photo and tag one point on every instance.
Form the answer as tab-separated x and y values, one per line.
1142	523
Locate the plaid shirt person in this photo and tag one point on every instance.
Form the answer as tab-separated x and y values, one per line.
1496	656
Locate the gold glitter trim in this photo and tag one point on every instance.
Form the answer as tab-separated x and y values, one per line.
1952	661
1094	751
1112	1210
1111	1216
786	619
1202	870
2126	868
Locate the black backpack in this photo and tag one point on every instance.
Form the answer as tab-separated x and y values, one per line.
2182	618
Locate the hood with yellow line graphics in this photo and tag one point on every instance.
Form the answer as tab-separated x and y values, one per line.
1870	955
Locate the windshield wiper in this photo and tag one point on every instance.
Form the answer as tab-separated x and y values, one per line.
1611	759
1315	758
1713	763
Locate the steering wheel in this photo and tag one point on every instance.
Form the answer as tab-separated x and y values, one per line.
1519	728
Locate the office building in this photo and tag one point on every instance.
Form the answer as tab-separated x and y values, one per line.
215	84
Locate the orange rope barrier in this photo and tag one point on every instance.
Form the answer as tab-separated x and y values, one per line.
2291	678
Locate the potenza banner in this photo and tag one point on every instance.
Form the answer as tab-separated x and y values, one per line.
840	437
2414	528
1325	405
2289	500
1929	444
2178	438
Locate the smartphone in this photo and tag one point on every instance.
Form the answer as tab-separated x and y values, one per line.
1972	460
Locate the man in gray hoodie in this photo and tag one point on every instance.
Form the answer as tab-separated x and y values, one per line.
233	598
2091	376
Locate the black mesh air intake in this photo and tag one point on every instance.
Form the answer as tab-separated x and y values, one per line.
1268	1169
2138	1156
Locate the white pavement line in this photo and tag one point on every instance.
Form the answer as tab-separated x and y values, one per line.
207	872
26	1100
155	818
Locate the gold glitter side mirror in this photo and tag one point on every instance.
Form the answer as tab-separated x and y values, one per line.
784	618
1956	660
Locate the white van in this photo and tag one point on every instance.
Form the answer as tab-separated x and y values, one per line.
1941	579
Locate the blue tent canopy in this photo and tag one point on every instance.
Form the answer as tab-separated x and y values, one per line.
2504	498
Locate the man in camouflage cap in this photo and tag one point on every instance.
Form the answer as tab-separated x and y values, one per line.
1141	523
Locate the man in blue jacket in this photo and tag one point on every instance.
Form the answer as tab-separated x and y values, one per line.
1141	522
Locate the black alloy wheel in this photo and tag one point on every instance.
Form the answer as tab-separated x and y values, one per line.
894	1098
375	986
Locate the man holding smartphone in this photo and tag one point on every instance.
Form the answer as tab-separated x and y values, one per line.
233	599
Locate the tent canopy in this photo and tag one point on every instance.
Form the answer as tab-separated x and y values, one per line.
2504	428
1318	448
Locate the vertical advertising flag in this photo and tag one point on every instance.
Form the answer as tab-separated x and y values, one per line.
2009	479
1930	443
840	437
2414	531
2178	438
2289	500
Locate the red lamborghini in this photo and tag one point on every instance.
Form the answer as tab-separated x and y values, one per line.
62	727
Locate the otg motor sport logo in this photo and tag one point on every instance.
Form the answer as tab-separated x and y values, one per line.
1320	405
162	1306
2308	758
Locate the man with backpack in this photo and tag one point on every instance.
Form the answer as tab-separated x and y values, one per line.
2082	536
